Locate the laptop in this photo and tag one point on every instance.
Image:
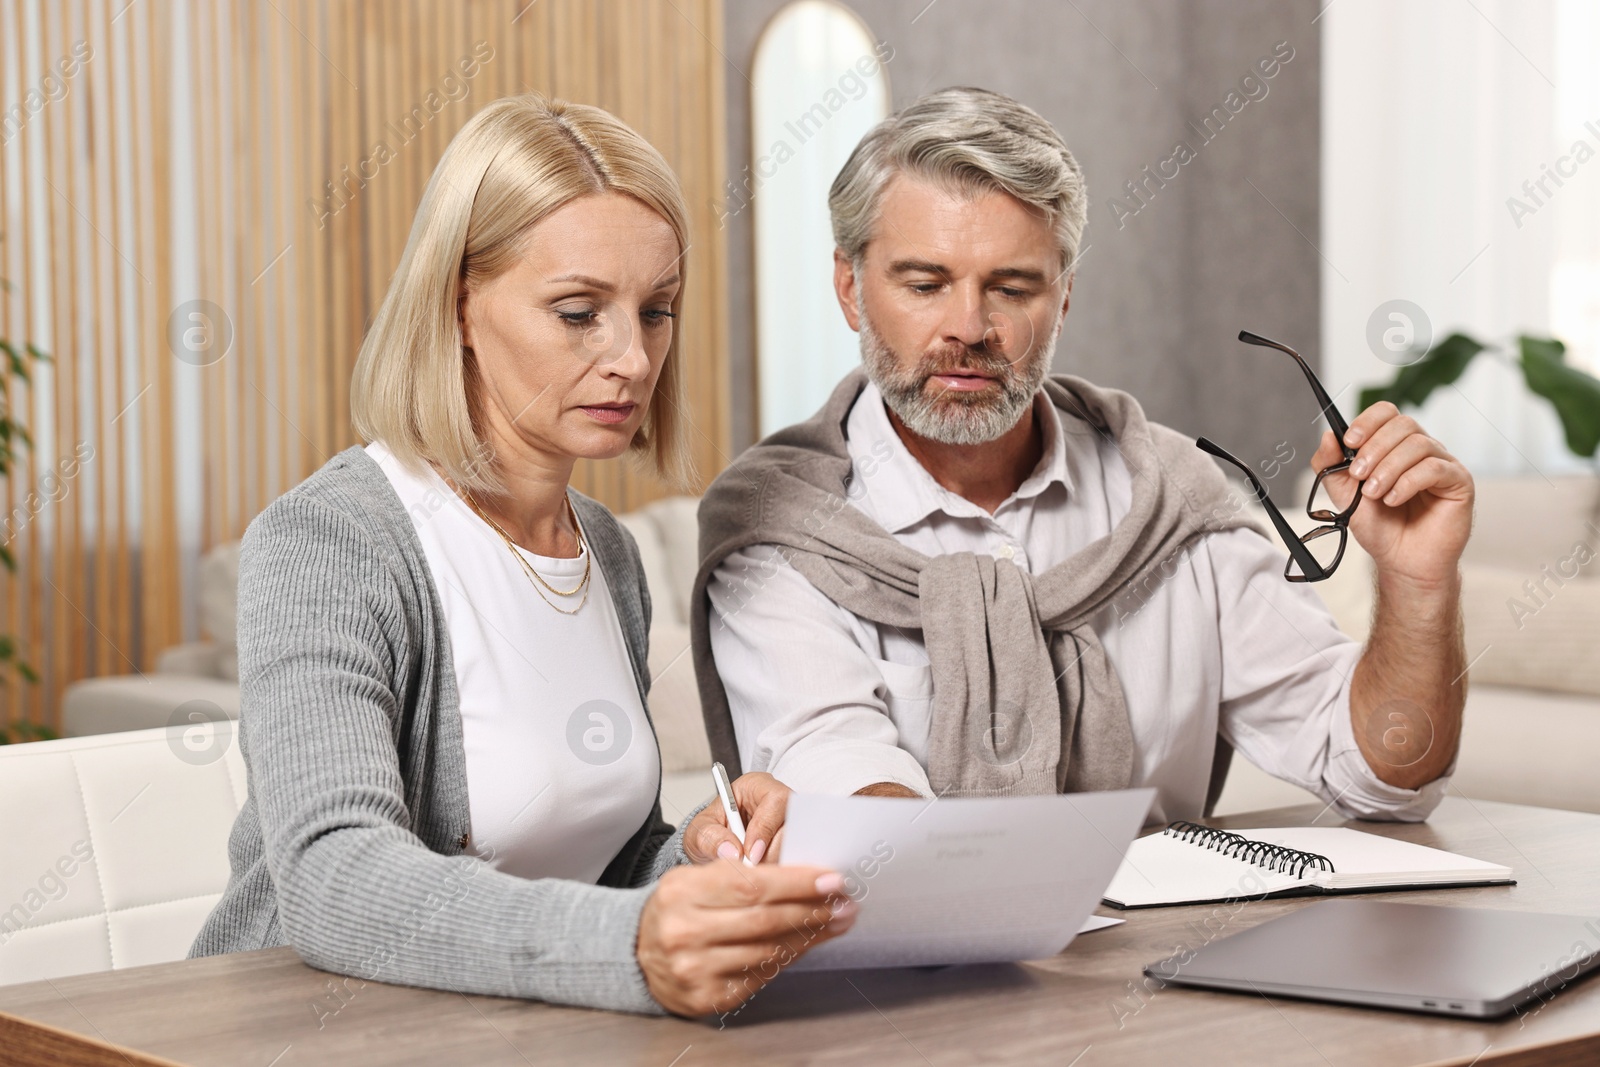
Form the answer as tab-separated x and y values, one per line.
1474	962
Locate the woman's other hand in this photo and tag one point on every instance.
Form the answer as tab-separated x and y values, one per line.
763	802
711	936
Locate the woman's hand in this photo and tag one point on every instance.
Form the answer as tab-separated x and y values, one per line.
711	936
762	801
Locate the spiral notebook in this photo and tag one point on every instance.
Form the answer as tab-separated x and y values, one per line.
1192	864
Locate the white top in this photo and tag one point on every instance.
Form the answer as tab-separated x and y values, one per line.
829	702
562	766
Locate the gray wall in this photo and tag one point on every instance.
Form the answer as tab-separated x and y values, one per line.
1159	297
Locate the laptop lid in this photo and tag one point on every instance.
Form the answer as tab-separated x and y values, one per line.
1418	957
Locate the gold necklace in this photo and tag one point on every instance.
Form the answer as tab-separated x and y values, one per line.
534	575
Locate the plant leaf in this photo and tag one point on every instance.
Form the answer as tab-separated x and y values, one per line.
1545	346
1575	395
1443	364
19	366
38	353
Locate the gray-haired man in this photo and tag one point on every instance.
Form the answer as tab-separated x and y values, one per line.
925	589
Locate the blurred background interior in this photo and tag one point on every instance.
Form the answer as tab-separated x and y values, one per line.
203	202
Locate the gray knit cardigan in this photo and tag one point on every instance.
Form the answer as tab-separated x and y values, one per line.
351	843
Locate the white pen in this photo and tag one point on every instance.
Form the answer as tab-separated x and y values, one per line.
719	775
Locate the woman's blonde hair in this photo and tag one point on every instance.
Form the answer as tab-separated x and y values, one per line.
513	163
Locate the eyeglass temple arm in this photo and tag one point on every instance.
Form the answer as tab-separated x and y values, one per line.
1335	419
1291	540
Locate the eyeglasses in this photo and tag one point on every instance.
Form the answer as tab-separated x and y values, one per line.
1313	556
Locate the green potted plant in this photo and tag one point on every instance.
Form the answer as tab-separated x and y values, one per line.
1574	394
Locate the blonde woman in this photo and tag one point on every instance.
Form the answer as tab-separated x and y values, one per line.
453	780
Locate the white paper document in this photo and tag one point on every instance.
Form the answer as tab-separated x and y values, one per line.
971	880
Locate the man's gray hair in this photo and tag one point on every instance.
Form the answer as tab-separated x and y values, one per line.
970	140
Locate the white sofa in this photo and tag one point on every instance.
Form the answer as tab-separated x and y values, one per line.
117	848
1533	713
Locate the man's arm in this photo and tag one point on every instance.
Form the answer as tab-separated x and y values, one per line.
1409	687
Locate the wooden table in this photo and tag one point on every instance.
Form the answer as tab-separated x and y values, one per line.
1086	1007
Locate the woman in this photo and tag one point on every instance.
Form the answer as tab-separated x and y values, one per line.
453	781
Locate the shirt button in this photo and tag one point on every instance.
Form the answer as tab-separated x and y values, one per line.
1006	552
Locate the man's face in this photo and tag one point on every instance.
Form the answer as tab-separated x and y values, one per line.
958	301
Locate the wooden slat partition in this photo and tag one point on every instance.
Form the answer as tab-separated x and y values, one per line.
213	150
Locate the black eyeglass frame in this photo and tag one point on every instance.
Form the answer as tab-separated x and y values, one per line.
1333	522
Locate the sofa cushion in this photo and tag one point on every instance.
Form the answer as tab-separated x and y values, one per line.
654	560
138	702
1525	523
675	701
1526	747
195	657
678	525
1531	629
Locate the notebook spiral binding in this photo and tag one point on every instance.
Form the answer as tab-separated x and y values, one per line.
1256	853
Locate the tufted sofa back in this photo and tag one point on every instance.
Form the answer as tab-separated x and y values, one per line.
115	847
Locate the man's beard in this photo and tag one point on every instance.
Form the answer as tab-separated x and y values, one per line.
950	416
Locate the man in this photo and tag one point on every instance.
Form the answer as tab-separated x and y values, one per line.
963	577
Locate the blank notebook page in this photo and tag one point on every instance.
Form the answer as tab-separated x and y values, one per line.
1369	860
1161	869
1166	869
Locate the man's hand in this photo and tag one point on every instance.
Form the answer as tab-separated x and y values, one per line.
762	801
1408	689
710	937
1417	507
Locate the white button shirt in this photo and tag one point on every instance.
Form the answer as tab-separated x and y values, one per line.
829	702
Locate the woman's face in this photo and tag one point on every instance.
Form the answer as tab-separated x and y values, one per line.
570	340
